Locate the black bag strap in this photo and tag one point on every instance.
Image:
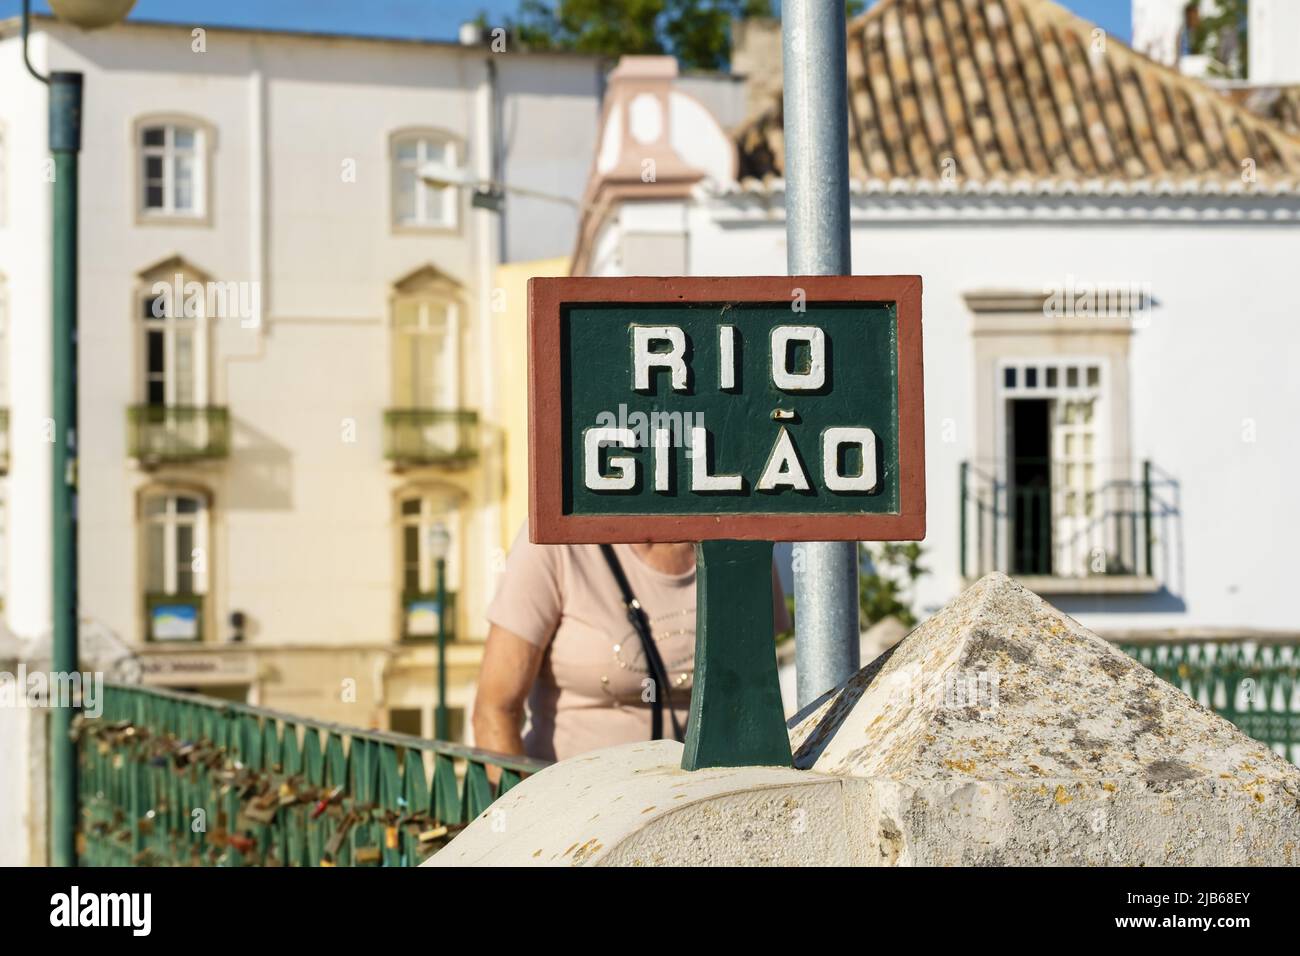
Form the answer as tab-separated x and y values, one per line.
658	673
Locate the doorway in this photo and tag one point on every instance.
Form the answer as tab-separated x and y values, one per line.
1029	484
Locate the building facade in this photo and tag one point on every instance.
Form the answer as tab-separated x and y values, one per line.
288	352
1106	248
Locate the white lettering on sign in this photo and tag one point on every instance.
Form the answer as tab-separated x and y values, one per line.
833	439
785	378
701	480
726	357
622	468
783	469
644	358
663	456
667	347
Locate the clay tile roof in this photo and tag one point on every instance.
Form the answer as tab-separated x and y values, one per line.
989	91
1281	104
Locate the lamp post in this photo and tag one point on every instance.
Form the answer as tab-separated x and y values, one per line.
439	543
65	144
487	194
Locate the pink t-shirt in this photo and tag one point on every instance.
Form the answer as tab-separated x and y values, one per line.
588	691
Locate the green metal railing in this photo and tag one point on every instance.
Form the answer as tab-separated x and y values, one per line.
173	779
1255	684
1047	528
421	436
172	433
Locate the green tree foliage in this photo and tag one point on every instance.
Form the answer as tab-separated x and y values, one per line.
886	582
697	32
1220	33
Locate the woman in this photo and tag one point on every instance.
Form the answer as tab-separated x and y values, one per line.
561	642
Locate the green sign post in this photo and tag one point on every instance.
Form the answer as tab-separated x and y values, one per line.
732	412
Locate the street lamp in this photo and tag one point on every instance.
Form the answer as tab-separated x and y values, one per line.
487	193
438	542
65	144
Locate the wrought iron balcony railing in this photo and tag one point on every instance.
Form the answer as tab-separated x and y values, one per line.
421	615
1254	682
422	436
1057	527
172	779
176	433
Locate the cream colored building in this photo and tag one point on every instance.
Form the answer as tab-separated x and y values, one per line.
289	364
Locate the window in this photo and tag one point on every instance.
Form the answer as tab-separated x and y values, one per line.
173	171
173	351
415	202
1055	464
426	370
419	513
175	544
174	541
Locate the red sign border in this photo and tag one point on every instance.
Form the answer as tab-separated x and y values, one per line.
547	524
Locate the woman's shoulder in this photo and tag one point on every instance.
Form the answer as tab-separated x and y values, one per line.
560	560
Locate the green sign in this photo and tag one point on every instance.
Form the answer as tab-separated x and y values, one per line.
732	413
771	408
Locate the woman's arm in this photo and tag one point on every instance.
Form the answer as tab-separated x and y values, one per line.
510	666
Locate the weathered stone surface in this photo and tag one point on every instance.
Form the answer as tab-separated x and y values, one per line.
999	732
634	806
1002	731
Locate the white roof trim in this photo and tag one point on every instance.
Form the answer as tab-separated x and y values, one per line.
1022	186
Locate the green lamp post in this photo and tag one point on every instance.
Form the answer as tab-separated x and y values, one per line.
439	543
65	144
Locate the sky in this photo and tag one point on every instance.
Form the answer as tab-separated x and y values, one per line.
423	19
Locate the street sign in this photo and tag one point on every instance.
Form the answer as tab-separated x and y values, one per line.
732	412
770	408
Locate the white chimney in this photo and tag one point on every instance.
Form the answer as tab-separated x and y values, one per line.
1274	37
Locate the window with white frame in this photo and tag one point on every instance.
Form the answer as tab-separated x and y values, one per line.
175	543
1053	430
426	347
173	171
174	353
420	513
415	202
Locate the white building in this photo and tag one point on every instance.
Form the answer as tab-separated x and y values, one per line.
1108	250
267	466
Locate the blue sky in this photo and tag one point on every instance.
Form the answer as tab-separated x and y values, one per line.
429	19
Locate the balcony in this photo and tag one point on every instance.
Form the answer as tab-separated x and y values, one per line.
173	618
160	434
421	436
1035	520
420	616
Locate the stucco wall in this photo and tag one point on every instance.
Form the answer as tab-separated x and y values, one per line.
1215	360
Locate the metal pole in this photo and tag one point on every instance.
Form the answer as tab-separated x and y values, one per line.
65	143
440	716
817	241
